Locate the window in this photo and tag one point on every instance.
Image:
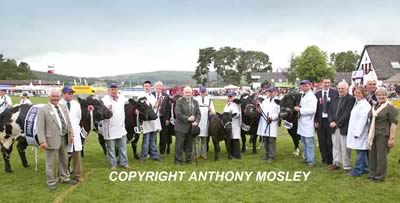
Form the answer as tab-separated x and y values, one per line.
395	64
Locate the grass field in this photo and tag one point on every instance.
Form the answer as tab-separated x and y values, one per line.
323	185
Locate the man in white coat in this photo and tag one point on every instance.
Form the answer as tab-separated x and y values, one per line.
114	128
268	126
150	128
307	110
206	108
75	114
234	109
5	101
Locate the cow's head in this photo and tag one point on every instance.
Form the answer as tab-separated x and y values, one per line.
100	111
287	104
146	112
249	104
226	121
9	128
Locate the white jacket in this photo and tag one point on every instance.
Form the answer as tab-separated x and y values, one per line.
204	107
357	134
234	108
114	128
270	109
154	125
75	115
308	108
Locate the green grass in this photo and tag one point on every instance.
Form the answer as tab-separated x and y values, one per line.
322	186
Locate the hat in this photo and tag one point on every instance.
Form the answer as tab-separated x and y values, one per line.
203	89
230	94
305	82
25	94
113	85
67	89
272	89
195	131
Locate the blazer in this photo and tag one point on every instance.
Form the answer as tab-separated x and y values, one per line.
165	109
48	128
343	113
332	95
183	111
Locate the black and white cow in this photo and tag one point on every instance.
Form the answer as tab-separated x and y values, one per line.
250	105
12	126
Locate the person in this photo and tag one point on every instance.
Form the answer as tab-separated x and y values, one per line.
339	123
307	110
150	128
25	99
5	101
206	108
324	109
55	133
357	134
187	116
381	135
113	129
75	114
268	124
234	108
164	112
371	88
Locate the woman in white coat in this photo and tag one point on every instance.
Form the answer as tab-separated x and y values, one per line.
234	109
268	126
357	135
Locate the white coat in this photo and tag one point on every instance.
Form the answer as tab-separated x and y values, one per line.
234	108
357	134
75	115
308	108
205	107
114	128
154	125
5	102
25	101
270	109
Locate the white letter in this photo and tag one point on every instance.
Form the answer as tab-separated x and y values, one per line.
306	174
123	176
193	176
273	176
261	176
248	175
111	176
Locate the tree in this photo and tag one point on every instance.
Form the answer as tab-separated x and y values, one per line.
252	61
206	57
312	65
10	70
290	72
344	61
225	59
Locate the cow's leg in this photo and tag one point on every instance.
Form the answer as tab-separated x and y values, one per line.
102	142
6	155
83	145
254	142
296	139
228	145
21	146
208	141
243	136
134	147
216	148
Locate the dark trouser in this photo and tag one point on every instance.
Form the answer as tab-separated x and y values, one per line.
163	136
270	147
378	157
325	141
235	148
183	142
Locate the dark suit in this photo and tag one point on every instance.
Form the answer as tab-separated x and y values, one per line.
184	139
324	131
165	115
341	114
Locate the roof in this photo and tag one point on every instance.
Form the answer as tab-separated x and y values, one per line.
381	57
343	75
393	79
270	75
27	82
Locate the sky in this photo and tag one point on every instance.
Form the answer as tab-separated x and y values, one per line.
94	38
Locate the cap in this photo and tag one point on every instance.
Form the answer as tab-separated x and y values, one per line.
230	94
203	89
67	89
272	89
113	85
305	82
25	94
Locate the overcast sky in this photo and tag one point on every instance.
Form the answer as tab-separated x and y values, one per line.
126	36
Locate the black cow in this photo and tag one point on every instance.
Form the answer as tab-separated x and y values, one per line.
12	122
250	105
220	128
290	117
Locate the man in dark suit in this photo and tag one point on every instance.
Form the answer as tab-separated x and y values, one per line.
324	109
187	116
164	113
339	123
55	134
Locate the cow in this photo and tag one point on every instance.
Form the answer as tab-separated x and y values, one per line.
290	117
13	128
220	128
250	105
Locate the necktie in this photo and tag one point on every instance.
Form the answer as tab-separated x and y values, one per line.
325	103
69	106
202	100
63	123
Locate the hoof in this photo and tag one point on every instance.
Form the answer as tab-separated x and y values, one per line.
216	158
9	171
243	150
230	157
254	151
136	156
26	165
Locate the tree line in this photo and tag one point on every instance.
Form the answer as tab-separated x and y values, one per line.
11	70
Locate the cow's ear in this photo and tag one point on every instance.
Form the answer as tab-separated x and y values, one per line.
79	100
237	101
277	101
131	101
219	115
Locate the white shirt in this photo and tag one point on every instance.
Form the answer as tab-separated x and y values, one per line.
57	115
308	108
234	108
325	115
205	105
270	109
25	101
357	134
154	125
114	128
75	115
5	102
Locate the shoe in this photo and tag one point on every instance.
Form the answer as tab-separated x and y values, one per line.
113	168
333	167
157	159
270	161
204	157
377	180
177	163
347	170
311	166
188	161
52	187
66	181
127	167
296	152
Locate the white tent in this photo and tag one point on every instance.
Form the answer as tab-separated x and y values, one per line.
231	87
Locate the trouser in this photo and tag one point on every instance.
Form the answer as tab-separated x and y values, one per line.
51	161
235	148
183	142
361	165
341	154
120	145
200	146
76	164
149	145
163	137
325	141
270	147
309	151
378	157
